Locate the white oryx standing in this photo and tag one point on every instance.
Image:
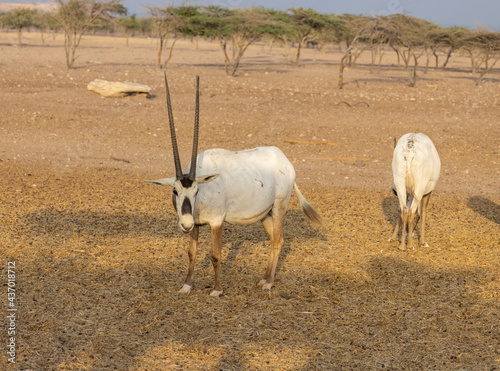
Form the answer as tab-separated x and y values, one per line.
415	169
240	187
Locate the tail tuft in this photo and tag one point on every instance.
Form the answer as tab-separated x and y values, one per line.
307	208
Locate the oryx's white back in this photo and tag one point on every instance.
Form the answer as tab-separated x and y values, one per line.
249	183
415	165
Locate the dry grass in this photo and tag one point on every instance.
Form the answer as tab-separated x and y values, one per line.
100	259
98	286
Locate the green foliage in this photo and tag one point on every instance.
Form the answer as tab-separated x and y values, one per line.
129	24
146	25
307	20
21	18
214	22
44	21
334	29
283	25
239	27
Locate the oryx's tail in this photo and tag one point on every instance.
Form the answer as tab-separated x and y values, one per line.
306	207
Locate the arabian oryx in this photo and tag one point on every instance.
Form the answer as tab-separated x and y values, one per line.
415	169
240	187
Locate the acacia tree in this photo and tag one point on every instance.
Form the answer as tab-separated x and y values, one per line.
487	45
283	30
146	26
20	19
235	29
166	21
354	32
189	25
332	32
173	20
411	39
307	27
447	40
44	22
129	25
76	17
377	42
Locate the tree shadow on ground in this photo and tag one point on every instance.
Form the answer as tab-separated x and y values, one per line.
95	224
390	207
485	208
236	238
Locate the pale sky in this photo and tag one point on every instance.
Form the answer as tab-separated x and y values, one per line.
468	13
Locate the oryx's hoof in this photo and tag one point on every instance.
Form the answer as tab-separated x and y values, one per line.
265	285
186	289
216	293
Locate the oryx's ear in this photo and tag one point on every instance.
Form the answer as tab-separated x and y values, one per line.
206	178
394	191
163	182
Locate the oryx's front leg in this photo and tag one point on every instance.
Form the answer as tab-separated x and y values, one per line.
193	237
274	228
216	232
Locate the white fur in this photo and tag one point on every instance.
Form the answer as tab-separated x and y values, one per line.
242	188
415	167
247	185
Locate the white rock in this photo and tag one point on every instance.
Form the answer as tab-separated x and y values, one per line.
117	89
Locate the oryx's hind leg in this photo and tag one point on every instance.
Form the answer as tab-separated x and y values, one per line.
425	202
394	236
404	218
273	223
193	237
267	222
412	223
216	232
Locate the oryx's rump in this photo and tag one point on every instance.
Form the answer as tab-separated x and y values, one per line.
417	163
249	183
416	167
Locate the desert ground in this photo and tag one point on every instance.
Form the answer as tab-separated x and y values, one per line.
99	258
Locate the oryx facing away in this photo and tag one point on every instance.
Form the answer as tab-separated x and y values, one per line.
240	187
415	169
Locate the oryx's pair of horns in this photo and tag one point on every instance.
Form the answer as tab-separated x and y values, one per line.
194	155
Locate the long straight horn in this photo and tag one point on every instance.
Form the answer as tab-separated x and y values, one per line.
194	155
178	169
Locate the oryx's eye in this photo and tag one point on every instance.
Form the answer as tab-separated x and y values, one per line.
196	192
175	192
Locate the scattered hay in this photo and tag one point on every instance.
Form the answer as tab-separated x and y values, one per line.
98	285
